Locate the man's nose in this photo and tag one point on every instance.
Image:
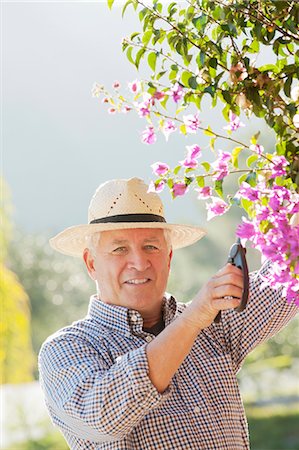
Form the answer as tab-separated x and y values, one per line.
138	260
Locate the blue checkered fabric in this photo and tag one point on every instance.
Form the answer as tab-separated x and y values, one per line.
94	375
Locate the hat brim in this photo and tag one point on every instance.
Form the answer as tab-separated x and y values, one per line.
73	240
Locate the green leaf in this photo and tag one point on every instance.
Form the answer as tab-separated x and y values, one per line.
206	166
160	74
200	181
139	55
208	131
251	179
185	78
129	55
133	35
242	178
212	144
287	86
251	160
152	59
177	169
172	75
183	129
269	68
129	2
246	205
193	83
110	3
218	187
213	63
235	155
164	101
170	183
146	37
255	137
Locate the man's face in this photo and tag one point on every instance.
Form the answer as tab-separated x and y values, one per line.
131	268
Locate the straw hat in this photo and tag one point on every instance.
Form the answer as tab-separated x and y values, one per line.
123	204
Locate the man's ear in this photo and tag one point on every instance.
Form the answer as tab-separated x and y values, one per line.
170	258
89	262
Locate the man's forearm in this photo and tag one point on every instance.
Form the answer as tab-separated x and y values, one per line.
168	350
166	353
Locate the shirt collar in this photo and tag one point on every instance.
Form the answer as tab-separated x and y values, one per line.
124	320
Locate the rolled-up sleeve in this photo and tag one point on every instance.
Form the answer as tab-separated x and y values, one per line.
91	397
266	313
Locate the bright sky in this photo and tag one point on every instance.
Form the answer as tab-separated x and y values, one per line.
59	143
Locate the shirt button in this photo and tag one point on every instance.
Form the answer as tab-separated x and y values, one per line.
134	318
148	338
196	409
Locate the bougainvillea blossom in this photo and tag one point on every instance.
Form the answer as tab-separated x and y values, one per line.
135	86
216	208
234	122
177	92
191	122
179	189
221	165
160	168
149	136
168	128
156	187
204	192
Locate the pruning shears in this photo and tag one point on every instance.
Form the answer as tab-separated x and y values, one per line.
237	257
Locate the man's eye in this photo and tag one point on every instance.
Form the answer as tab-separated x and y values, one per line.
120	250
151	247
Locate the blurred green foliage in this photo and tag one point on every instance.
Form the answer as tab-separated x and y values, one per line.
58	286
16	356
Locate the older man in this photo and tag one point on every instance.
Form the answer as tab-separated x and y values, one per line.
142	371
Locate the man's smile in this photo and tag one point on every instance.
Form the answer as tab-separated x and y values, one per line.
138	281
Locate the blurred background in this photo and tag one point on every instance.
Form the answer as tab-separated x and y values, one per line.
59	144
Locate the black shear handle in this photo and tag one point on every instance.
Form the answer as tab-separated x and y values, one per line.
237	257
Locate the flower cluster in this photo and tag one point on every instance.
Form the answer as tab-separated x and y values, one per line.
267	195
270	231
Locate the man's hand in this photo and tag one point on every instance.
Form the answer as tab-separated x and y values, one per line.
223	291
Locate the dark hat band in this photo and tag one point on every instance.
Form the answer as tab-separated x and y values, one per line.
130	218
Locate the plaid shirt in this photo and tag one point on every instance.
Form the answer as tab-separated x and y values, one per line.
94	374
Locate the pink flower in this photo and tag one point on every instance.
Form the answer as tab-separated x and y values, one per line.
194	151
279	164
248	192
111	111
148	135
204	192
221	165
216	208
257	148
246	230
168	128
156	187
179	189
135	86
234	123
176	92
105	100
116	85
160	168
158	95
191	122
143	107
